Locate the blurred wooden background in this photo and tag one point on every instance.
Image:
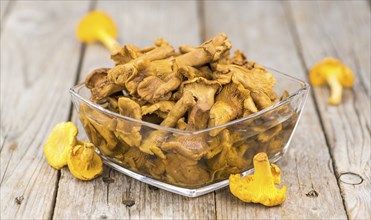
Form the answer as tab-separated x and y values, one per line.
327	168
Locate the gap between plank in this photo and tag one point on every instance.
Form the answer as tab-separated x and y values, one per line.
93	6
7	10
82	55
77	77
295	36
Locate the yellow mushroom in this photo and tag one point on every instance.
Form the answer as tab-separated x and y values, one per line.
59	143
98	26
336	74
260	186
84	163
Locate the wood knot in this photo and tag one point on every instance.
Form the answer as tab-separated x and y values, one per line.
19	199
154	188
351	178
103	216
313	194
108	180
13	147
127	200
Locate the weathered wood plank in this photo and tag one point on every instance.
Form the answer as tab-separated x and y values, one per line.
261	30
95	199
342	30
3	7
39	57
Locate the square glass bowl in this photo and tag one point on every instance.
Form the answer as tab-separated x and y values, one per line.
192	163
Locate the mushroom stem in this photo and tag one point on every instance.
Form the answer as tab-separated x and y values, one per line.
336	89
262	169
108	41
87	156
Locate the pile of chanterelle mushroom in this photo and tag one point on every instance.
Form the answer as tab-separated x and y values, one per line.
193	89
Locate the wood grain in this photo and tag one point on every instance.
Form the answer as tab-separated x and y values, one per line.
342	32
40	62
262	31
97	199
3	7
38	65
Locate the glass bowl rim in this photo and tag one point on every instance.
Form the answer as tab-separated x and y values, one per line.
304	87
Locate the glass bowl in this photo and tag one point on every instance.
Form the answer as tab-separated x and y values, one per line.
192	163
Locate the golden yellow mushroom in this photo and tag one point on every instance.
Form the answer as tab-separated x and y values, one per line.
59	143
98	26
260	186
84	163
336	74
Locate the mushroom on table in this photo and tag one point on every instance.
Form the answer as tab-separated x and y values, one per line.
335	74
260	186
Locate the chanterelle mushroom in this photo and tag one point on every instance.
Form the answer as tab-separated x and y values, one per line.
159	86
228	106
191	72
151	145
126	130
125	54
230	157
183	171
180	108
99	85
59	143
103	124
129	52
120	74
260	186
97	26
94	135
84	163
203	90
191	146
161	108
239	58
135	158
258	80
209	51
335	73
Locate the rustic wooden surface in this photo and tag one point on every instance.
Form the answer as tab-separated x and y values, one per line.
347	126
40	60
302	166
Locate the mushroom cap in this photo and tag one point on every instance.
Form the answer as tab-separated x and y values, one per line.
129	108
192	147
255	79
203	89
320	71
59	143
135	158
184	171
161	108
84	163
228	106
129	131
96	77
93	24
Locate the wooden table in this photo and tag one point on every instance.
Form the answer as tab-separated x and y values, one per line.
326	170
